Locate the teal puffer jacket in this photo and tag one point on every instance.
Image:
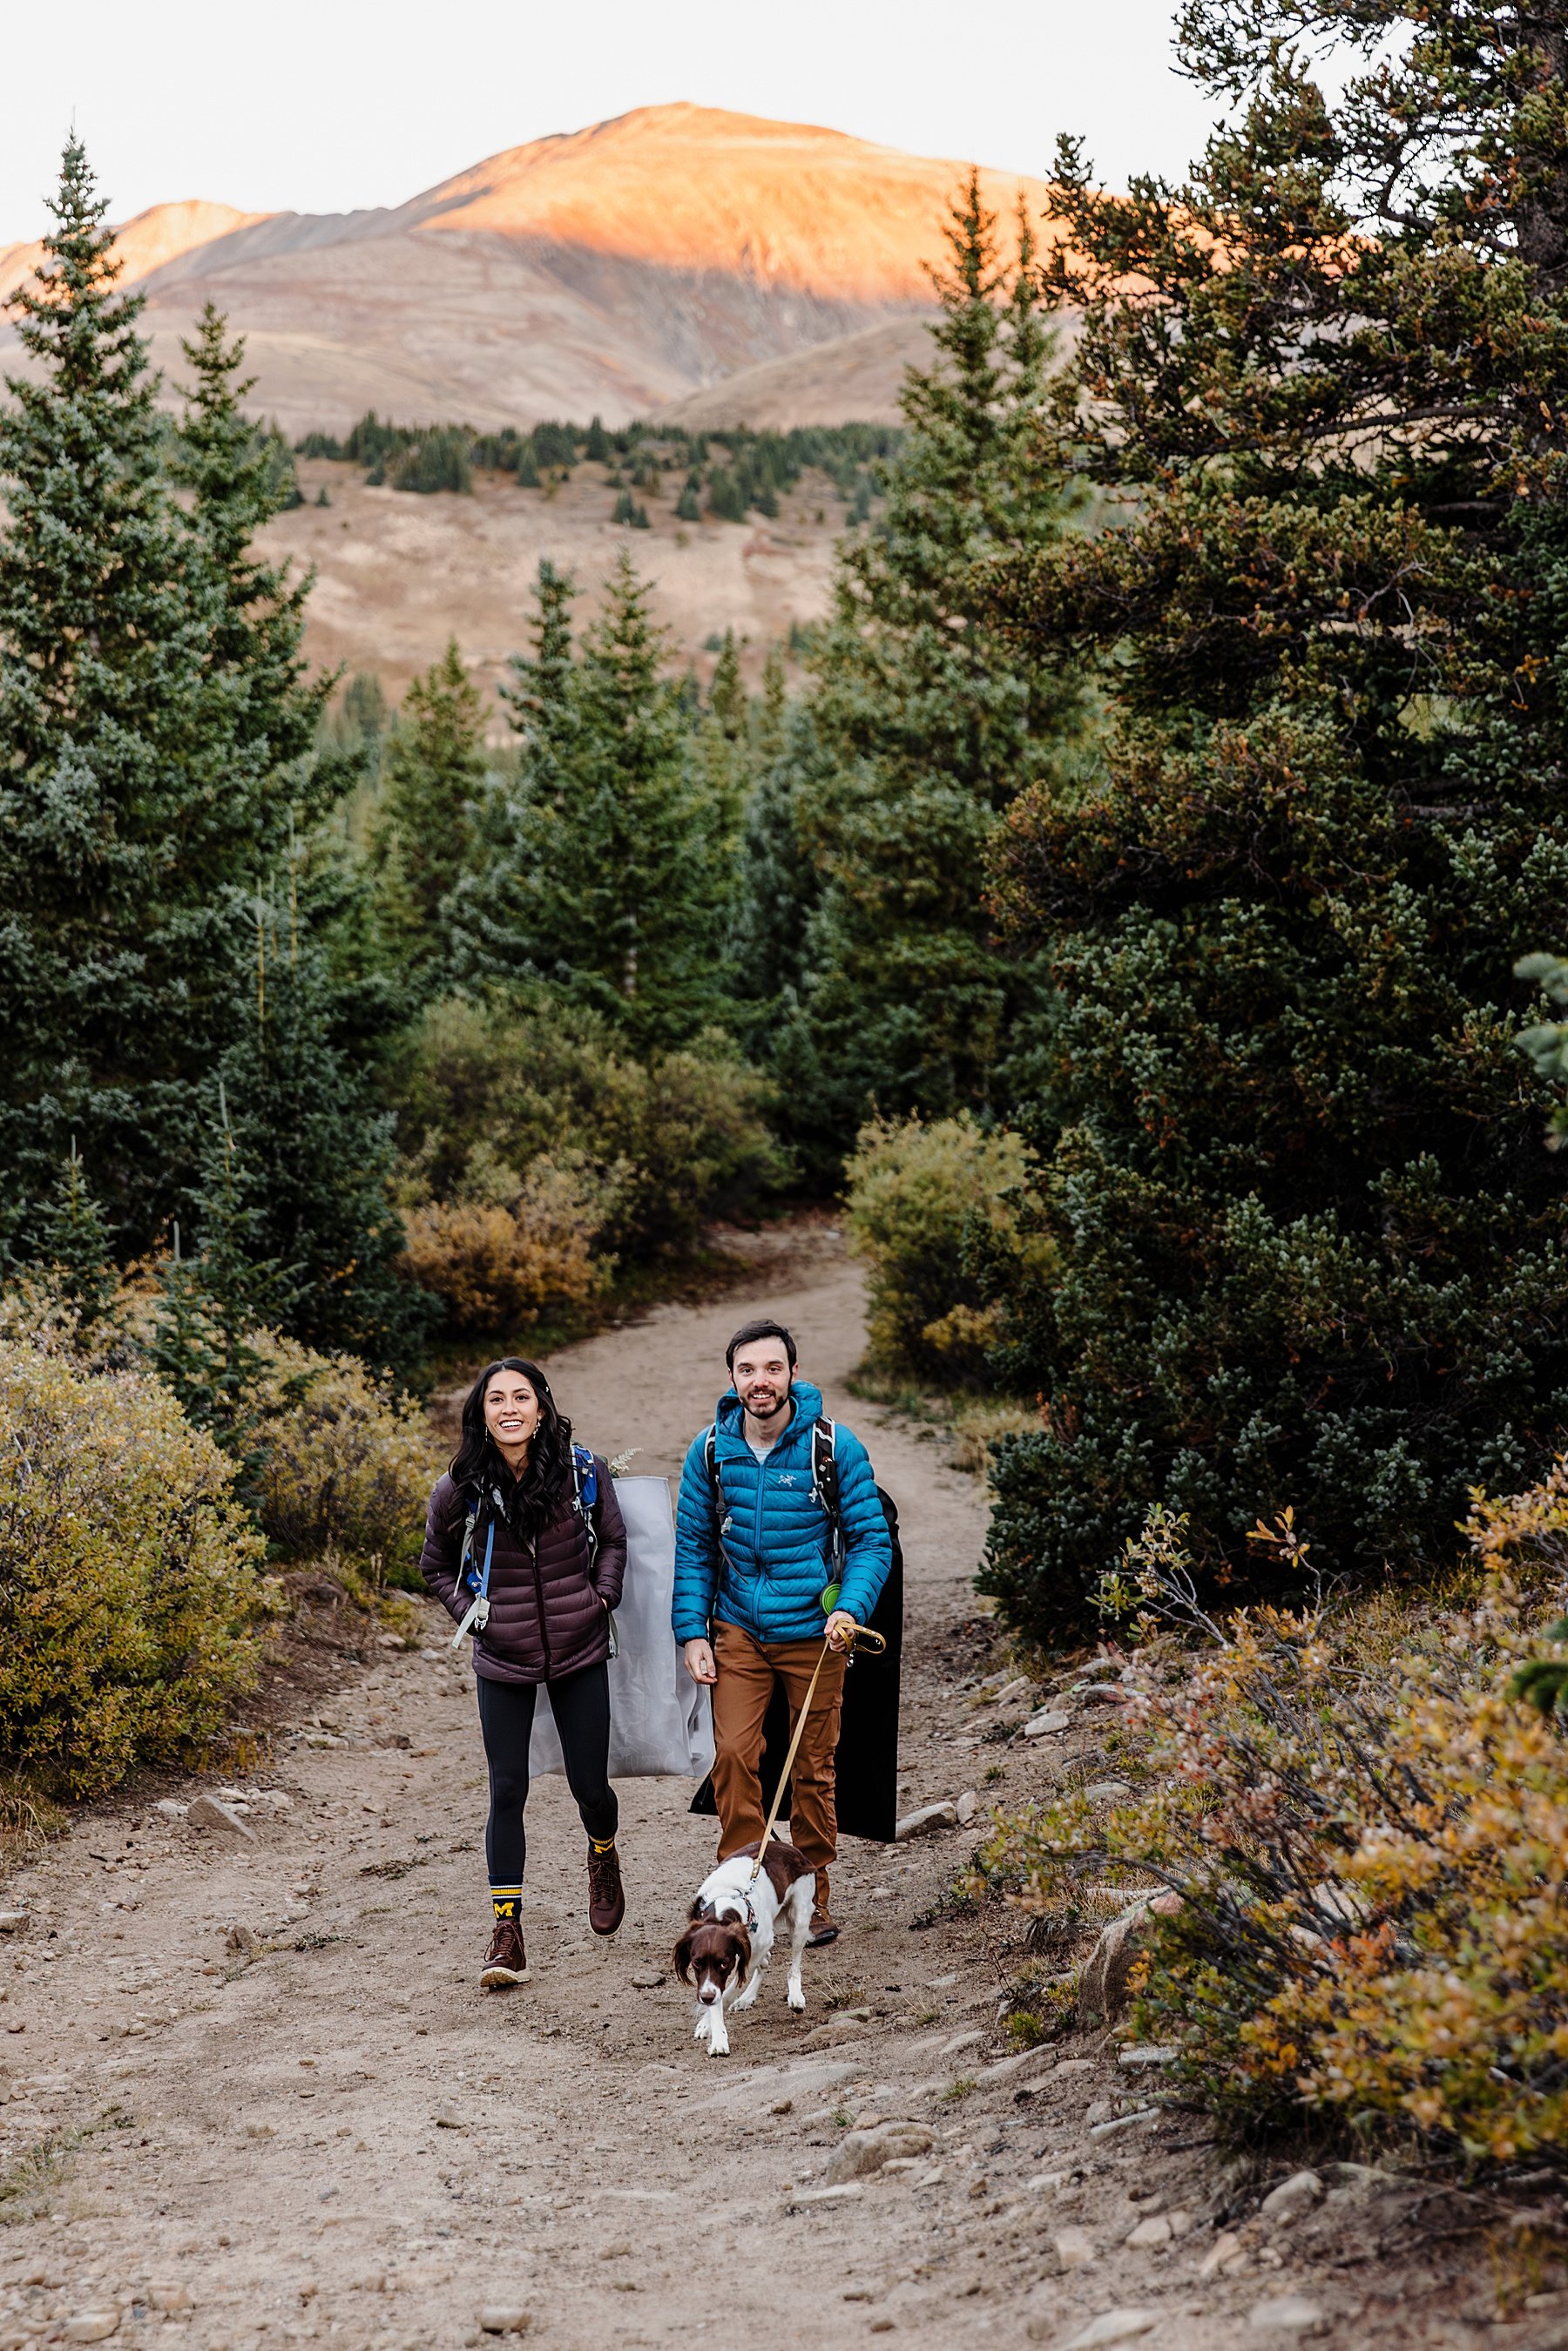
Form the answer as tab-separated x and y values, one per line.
764	1569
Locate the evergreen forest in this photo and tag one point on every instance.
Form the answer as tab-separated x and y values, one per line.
1116	896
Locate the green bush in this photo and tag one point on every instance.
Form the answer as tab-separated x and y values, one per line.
926	1204
130	1589
668	1142
348	1462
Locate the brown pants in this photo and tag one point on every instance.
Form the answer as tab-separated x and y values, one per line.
746	1672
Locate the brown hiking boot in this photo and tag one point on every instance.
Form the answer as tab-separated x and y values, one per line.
506	1961
606	1895
824	1926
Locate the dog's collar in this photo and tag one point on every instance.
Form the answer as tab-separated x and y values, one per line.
711	1910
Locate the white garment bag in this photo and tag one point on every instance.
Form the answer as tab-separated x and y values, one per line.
661	1722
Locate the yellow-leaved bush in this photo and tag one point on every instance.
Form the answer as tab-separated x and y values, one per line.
130	1588
346	1462
514	1246
1369	1837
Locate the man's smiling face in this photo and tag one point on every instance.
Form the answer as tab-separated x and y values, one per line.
761	1376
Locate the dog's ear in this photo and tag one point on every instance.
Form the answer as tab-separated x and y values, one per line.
682	1957
744	1940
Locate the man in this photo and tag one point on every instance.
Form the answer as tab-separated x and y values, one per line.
754	1559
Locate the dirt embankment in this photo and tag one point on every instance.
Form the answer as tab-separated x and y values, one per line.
253	2097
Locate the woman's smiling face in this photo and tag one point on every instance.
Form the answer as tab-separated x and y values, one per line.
511	1412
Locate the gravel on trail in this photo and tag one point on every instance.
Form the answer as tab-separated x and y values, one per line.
250	2094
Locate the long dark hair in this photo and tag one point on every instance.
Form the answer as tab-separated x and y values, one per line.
477	1463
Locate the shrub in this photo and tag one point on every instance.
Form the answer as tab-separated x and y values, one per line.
924	1203
496	1261
347	1461
1369	1838
129	1582
665	1143
436	460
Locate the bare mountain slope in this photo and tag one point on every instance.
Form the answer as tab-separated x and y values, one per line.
152	241
616	269
855	379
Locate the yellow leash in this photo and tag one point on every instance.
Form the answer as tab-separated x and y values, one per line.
858	1633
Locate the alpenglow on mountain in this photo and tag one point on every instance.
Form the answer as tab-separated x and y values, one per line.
617	269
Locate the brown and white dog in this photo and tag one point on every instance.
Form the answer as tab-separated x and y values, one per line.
730	1936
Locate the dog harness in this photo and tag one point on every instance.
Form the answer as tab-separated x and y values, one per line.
711	1910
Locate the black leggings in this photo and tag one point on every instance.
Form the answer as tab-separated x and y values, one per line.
581	1705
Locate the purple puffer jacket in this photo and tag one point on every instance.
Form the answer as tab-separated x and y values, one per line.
549	1603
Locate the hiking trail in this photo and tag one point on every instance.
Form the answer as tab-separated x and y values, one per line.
252	2094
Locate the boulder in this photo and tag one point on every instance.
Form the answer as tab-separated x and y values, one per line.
207	1813
1102	1986
968	1805
504	2318
1045	1724
92	2326
1114	2327
862	2152
1071	2249
847	2027
1286	2203
928	1817
1288	2313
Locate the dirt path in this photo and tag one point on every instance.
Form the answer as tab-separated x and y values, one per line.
253	2098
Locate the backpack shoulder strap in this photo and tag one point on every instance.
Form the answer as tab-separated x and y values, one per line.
825	1466
585	1494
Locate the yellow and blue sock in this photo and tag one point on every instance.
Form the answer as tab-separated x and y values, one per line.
601	1845
505	1901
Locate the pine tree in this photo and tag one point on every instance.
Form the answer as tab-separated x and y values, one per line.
72	1244
134	801
602	871
433	770
304	1114
211	1307
929	721
231	470
725	753
1310	1250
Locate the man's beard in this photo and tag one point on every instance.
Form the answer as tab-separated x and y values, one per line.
765	1412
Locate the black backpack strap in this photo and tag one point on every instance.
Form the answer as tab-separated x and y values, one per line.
825	1477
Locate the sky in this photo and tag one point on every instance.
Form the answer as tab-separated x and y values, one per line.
323	106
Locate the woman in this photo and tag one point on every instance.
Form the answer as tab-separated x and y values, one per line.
532	1524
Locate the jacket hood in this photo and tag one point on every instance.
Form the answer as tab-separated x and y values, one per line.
807	1406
